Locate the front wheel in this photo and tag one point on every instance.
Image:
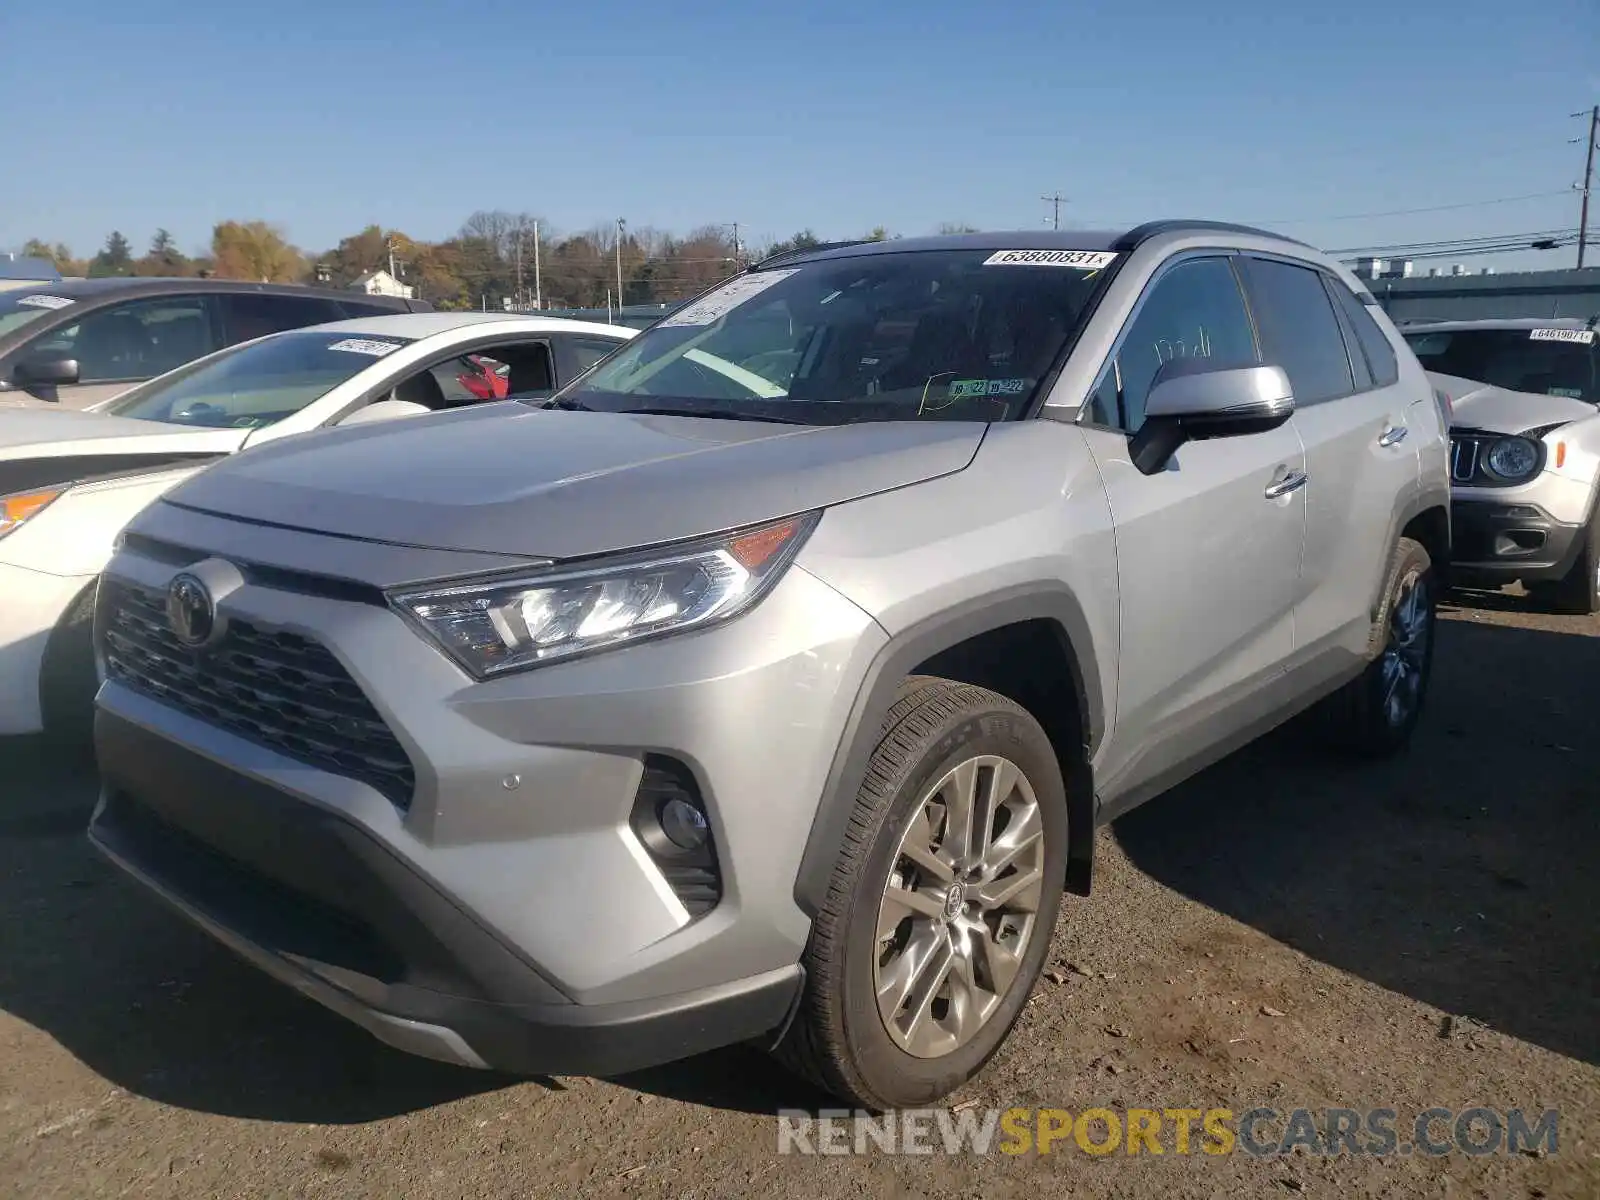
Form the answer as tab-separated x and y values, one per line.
941	907
1375	713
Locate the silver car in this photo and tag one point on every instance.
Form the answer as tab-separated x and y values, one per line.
1525	451
769	682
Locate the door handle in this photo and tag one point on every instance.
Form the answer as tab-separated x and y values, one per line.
1393	435
1292	482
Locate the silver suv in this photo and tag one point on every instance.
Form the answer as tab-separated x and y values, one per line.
1525	451
769	682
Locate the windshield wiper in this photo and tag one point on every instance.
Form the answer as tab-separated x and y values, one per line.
564	405
719	414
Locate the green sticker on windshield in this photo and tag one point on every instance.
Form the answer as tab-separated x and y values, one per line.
962	388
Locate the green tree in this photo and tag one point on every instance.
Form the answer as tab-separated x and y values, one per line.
115	259
164	258
804	240
951	227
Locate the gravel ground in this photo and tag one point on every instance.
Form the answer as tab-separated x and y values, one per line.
1287	930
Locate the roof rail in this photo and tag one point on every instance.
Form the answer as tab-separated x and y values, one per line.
1140	234
817	249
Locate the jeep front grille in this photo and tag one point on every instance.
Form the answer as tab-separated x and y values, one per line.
278	689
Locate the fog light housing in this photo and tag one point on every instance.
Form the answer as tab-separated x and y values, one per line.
669	818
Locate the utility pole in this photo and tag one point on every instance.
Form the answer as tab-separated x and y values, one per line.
1055	200
538	284
738	257
518	302
622	228
1588	180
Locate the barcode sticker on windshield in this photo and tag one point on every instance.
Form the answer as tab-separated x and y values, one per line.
365	346
1584	337
44	301
1078	260
726	298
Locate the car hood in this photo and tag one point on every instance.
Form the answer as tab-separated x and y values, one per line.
30	433
509	479
1477	405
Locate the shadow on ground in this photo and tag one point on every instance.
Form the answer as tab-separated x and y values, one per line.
1463	874
157	1008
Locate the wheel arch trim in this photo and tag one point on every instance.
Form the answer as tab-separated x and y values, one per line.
875	695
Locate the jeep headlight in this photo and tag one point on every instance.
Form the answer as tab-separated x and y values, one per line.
1513	458
19	506
511	623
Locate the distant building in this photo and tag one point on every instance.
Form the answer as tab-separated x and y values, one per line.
1457	294
381	283
17	271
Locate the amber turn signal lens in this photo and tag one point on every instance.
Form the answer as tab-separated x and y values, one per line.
16	509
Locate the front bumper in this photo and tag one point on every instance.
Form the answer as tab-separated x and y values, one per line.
508	915
32	604
326	908
1500	540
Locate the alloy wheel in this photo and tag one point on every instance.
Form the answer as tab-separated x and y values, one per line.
960	906
1405	656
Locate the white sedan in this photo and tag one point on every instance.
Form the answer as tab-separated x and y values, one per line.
69	481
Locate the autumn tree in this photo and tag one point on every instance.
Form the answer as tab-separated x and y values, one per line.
115	258
256	251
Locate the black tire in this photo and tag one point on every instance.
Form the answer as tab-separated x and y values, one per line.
1360	720
1577	592
67	678
838	1040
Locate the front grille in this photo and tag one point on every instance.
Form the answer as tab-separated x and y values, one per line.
278	689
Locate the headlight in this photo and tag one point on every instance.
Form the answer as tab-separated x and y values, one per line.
1513	458
19	506
508	624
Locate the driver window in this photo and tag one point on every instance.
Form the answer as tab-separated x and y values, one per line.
1194	310
493	373
138	340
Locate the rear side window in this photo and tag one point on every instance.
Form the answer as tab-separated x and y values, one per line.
588	351
1299	331
253	315
1379	353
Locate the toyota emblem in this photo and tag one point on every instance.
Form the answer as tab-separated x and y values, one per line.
190	610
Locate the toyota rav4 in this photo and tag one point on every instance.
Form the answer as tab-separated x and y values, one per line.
769	681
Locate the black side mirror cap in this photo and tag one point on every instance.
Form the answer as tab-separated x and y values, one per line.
47	370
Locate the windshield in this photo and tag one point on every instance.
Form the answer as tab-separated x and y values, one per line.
255	384
19	308
932	335
1547	362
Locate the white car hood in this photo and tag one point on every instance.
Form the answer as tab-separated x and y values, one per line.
32	433
1477	405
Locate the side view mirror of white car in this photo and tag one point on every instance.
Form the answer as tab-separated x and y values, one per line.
386	410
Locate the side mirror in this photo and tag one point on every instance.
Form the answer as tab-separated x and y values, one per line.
386	410
1195	399
49	369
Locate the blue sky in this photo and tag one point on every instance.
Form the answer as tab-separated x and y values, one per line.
324	117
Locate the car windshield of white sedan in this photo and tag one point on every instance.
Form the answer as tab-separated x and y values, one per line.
256	384
1546	362
964	335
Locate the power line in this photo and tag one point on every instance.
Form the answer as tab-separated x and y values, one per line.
1447	243
1406	212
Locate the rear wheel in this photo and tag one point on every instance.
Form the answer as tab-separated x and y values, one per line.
1375	713
941	907
68	679
1579	590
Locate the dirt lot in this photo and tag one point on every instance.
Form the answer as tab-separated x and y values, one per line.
1286	930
